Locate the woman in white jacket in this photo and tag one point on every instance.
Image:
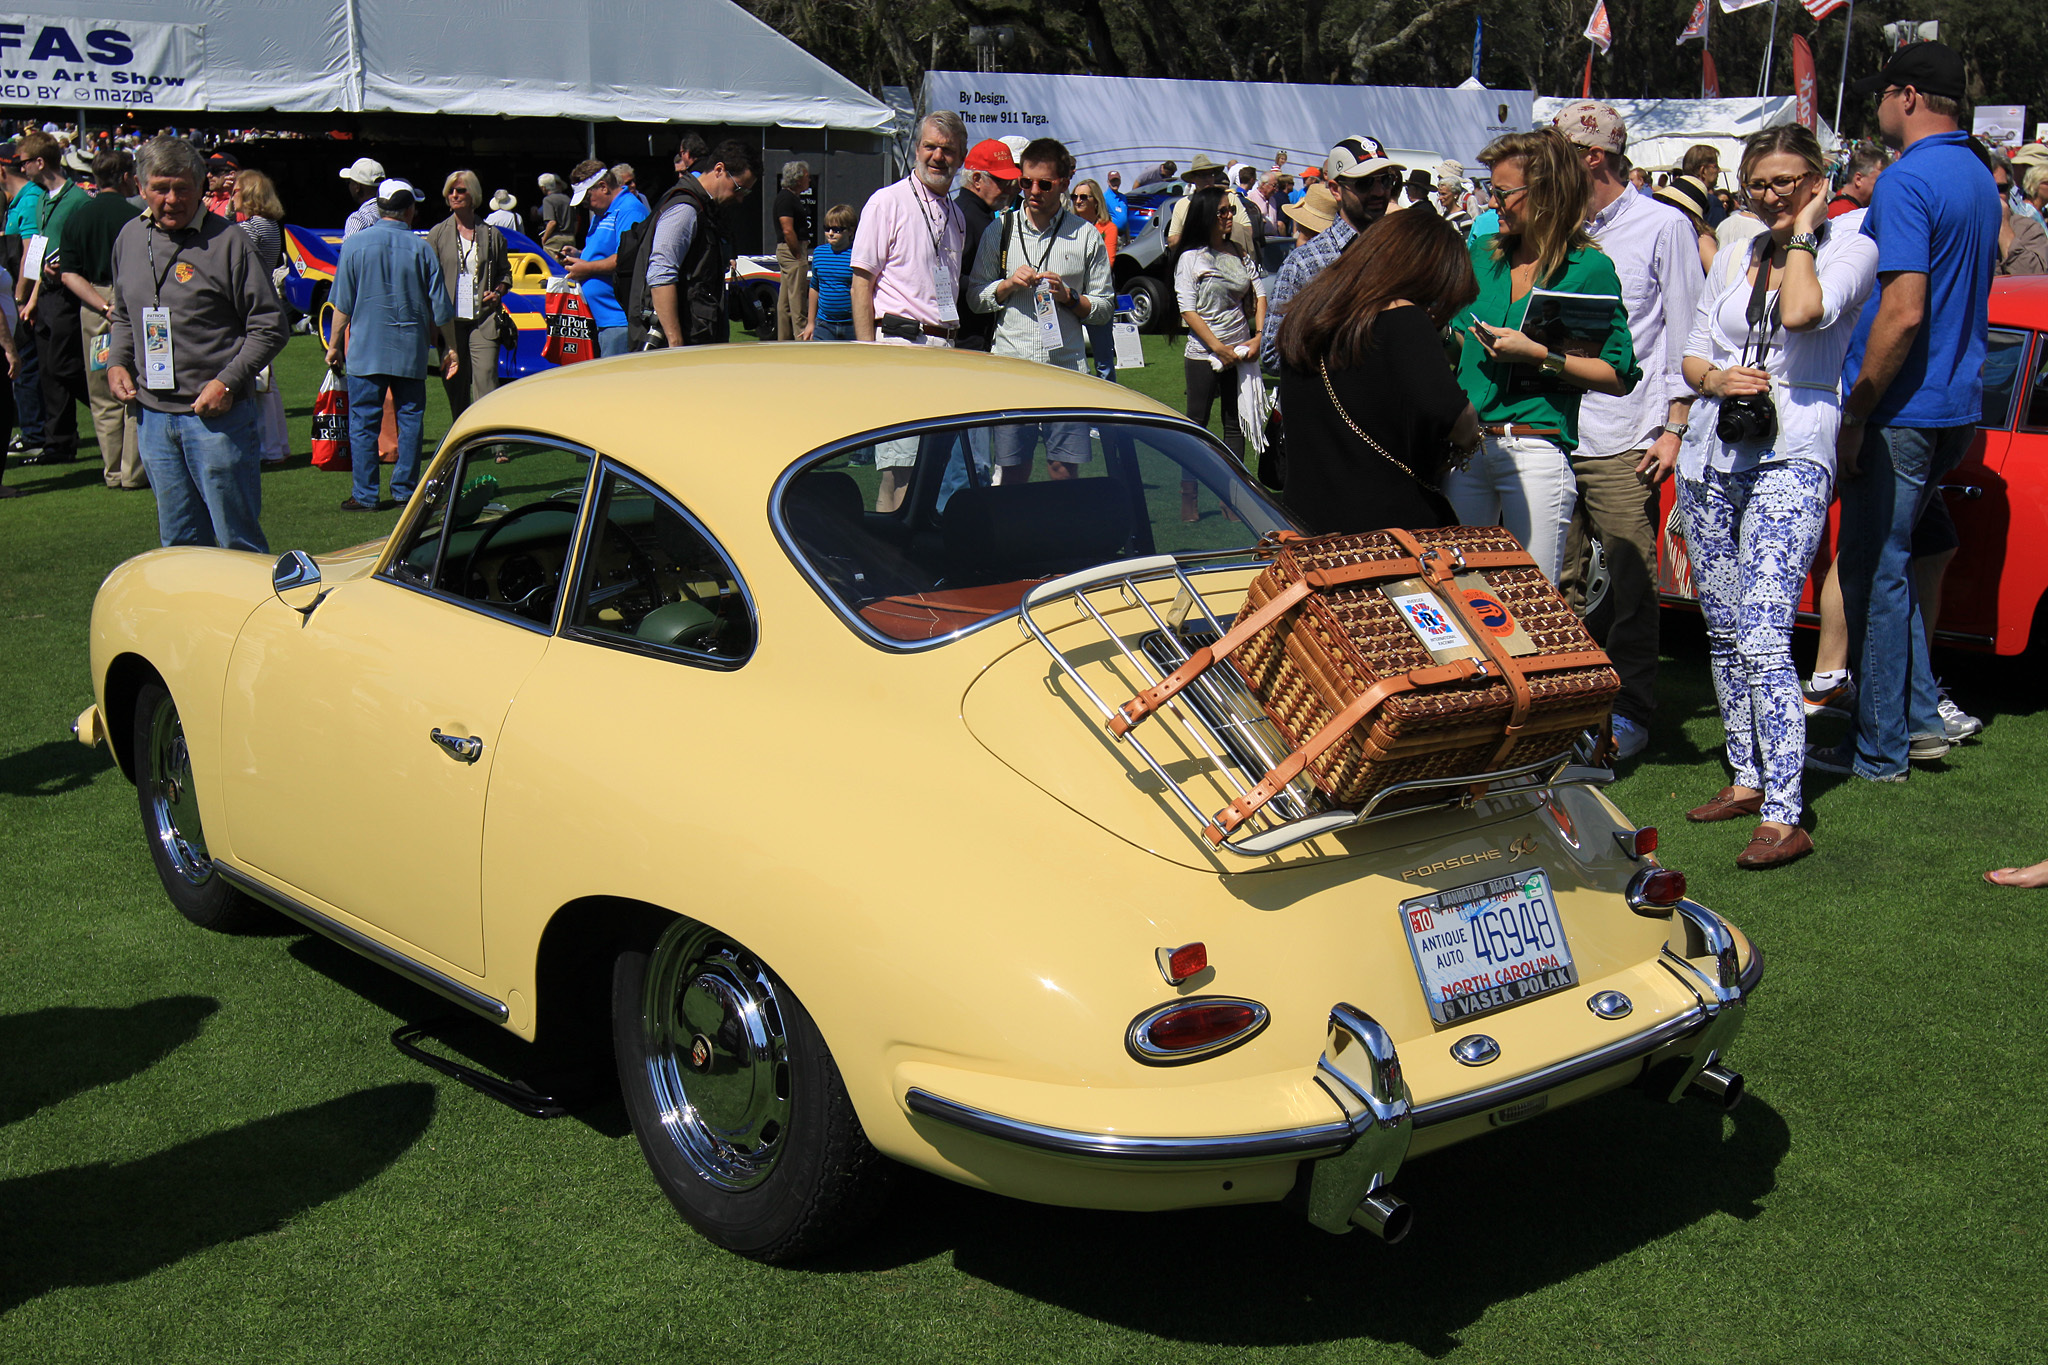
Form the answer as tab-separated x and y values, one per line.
1757	470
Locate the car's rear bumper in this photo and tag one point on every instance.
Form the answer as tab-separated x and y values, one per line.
1360	1148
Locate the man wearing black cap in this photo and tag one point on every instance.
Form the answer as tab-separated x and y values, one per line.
1914	386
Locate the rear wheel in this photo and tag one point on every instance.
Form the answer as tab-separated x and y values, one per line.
171	824
736	1101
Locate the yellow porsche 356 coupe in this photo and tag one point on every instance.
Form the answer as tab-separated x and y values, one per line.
750	704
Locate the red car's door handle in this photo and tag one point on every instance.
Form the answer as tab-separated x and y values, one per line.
1963	490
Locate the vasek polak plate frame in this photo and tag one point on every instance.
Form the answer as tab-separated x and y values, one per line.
1441	905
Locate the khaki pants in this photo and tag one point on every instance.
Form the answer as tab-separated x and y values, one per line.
476	364
1621	510
112	420
792	301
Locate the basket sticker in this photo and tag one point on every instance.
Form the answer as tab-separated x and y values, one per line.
1430	621
1491	614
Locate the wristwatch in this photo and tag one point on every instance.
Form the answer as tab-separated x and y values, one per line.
1677	429
1804	241
1552	363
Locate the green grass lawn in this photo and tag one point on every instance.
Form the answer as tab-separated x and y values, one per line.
209	1150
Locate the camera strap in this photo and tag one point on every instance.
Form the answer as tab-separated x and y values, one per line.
1755	314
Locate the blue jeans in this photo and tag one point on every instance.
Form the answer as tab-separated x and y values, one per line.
1902	469
366	415
207	473
28	387
1102	342
828	330
611	340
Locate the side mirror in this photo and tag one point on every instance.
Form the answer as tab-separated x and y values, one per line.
296	581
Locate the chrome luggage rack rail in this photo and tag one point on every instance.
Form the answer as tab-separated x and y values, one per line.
1227	723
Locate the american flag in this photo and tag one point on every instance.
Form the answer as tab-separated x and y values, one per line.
1821	9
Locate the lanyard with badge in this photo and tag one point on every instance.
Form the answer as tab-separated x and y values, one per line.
942	273
158	365
465	284
39	242
1041	297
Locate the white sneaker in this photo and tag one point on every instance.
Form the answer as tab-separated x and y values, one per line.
1959	724
1630	738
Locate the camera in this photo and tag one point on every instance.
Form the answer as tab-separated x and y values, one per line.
1752	417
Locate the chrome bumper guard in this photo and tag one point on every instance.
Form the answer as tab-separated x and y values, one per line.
1358	1155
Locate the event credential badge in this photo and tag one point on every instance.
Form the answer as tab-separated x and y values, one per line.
157	361
942	281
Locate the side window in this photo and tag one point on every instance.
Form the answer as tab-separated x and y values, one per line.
497	527
653	582
2004	352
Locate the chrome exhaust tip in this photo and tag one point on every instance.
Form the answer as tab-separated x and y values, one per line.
1718	1083
1385	1216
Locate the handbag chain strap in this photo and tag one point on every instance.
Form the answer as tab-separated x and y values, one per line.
1375	447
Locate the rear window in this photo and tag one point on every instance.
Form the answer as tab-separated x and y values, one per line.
921	537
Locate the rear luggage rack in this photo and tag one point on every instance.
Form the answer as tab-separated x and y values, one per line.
1228	725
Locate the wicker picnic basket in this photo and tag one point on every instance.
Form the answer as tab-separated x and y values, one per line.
1335	640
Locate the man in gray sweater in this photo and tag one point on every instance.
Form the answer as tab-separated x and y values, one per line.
194	319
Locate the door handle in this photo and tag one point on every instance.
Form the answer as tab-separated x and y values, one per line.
462	749
1970	491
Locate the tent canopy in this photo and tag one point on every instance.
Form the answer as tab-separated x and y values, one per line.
1659	131
654	61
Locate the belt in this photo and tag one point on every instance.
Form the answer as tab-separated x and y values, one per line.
895	326
1499	429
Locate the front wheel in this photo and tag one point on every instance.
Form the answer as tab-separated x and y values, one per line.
1151	303
171	825
736	1101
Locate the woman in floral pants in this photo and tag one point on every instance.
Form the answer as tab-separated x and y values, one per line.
1755	494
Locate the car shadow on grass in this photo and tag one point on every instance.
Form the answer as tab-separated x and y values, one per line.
106	1222
47	1056
1500	1217
52	769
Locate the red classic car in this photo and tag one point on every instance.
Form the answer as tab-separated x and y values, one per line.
1995	597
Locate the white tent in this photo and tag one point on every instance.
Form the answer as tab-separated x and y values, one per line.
687	61
1659	131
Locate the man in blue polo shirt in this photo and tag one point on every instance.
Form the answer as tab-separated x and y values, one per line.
1913	389
614	210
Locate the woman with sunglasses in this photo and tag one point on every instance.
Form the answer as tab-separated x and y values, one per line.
1087	202
1757	470
1222	299
1526	393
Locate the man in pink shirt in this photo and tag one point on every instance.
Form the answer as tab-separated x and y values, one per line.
906	269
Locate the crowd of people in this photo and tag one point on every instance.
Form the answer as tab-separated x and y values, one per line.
1539	350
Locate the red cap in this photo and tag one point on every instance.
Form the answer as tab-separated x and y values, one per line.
993	158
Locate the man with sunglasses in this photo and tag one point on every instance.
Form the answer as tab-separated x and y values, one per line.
1913	386
1045	272
1365	179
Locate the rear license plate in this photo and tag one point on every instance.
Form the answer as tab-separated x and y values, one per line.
1487	946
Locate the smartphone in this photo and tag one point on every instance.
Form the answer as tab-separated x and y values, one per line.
1483	332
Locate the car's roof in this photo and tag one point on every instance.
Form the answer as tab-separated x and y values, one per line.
711	421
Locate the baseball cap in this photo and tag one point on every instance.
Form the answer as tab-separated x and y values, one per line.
1930	68
364	172
221	161
1591	124
1015	144
1357	156
992	158
1317	209
397	194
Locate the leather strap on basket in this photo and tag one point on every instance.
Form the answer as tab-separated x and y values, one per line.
1414	564
1289	768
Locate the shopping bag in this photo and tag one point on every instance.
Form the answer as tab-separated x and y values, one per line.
1254	406
572	332
330	424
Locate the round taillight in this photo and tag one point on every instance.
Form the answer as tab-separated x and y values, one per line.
1654	891
1189	1030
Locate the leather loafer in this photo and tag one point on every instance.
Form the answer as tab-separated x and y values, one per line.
1774	850
1725	806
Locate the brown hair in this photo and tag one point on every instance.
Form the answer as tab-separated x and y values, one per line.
1554	206
842	216
1794	139
1049	151
39	144
1413	256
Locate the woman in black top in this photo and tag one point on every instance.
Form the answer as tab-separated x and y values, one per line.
1373	407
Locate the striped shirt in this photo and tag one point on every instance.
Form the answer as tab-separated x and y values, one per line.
832	277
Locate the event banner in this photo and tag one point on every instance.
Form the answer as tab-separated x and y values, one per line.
1803	83
1130	125
73	63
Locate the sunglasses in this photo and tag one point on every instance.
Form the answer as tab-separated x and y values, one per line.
1084	198
1043	186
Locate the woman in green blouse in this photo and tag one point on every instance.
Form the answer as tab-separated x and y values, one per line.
1526	393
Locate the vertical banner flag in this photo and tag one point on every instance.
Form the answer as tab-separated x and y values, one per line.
1805	92
1713	76
1478	33
1695	27
1821	9
1598	31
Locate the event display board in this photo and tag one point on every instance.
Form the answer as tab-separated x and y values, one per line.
1127	124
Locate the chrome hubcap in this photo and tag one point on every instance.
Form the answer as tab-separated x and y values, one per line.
717	1056
174	807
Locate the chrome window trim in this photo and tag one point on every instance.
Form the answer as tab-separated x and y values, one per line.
2033	351
384	956
382	571
890	644
587	527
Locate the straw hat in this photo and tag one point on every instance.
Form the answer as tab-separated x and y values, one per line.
1687	192
1317	209
503	200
